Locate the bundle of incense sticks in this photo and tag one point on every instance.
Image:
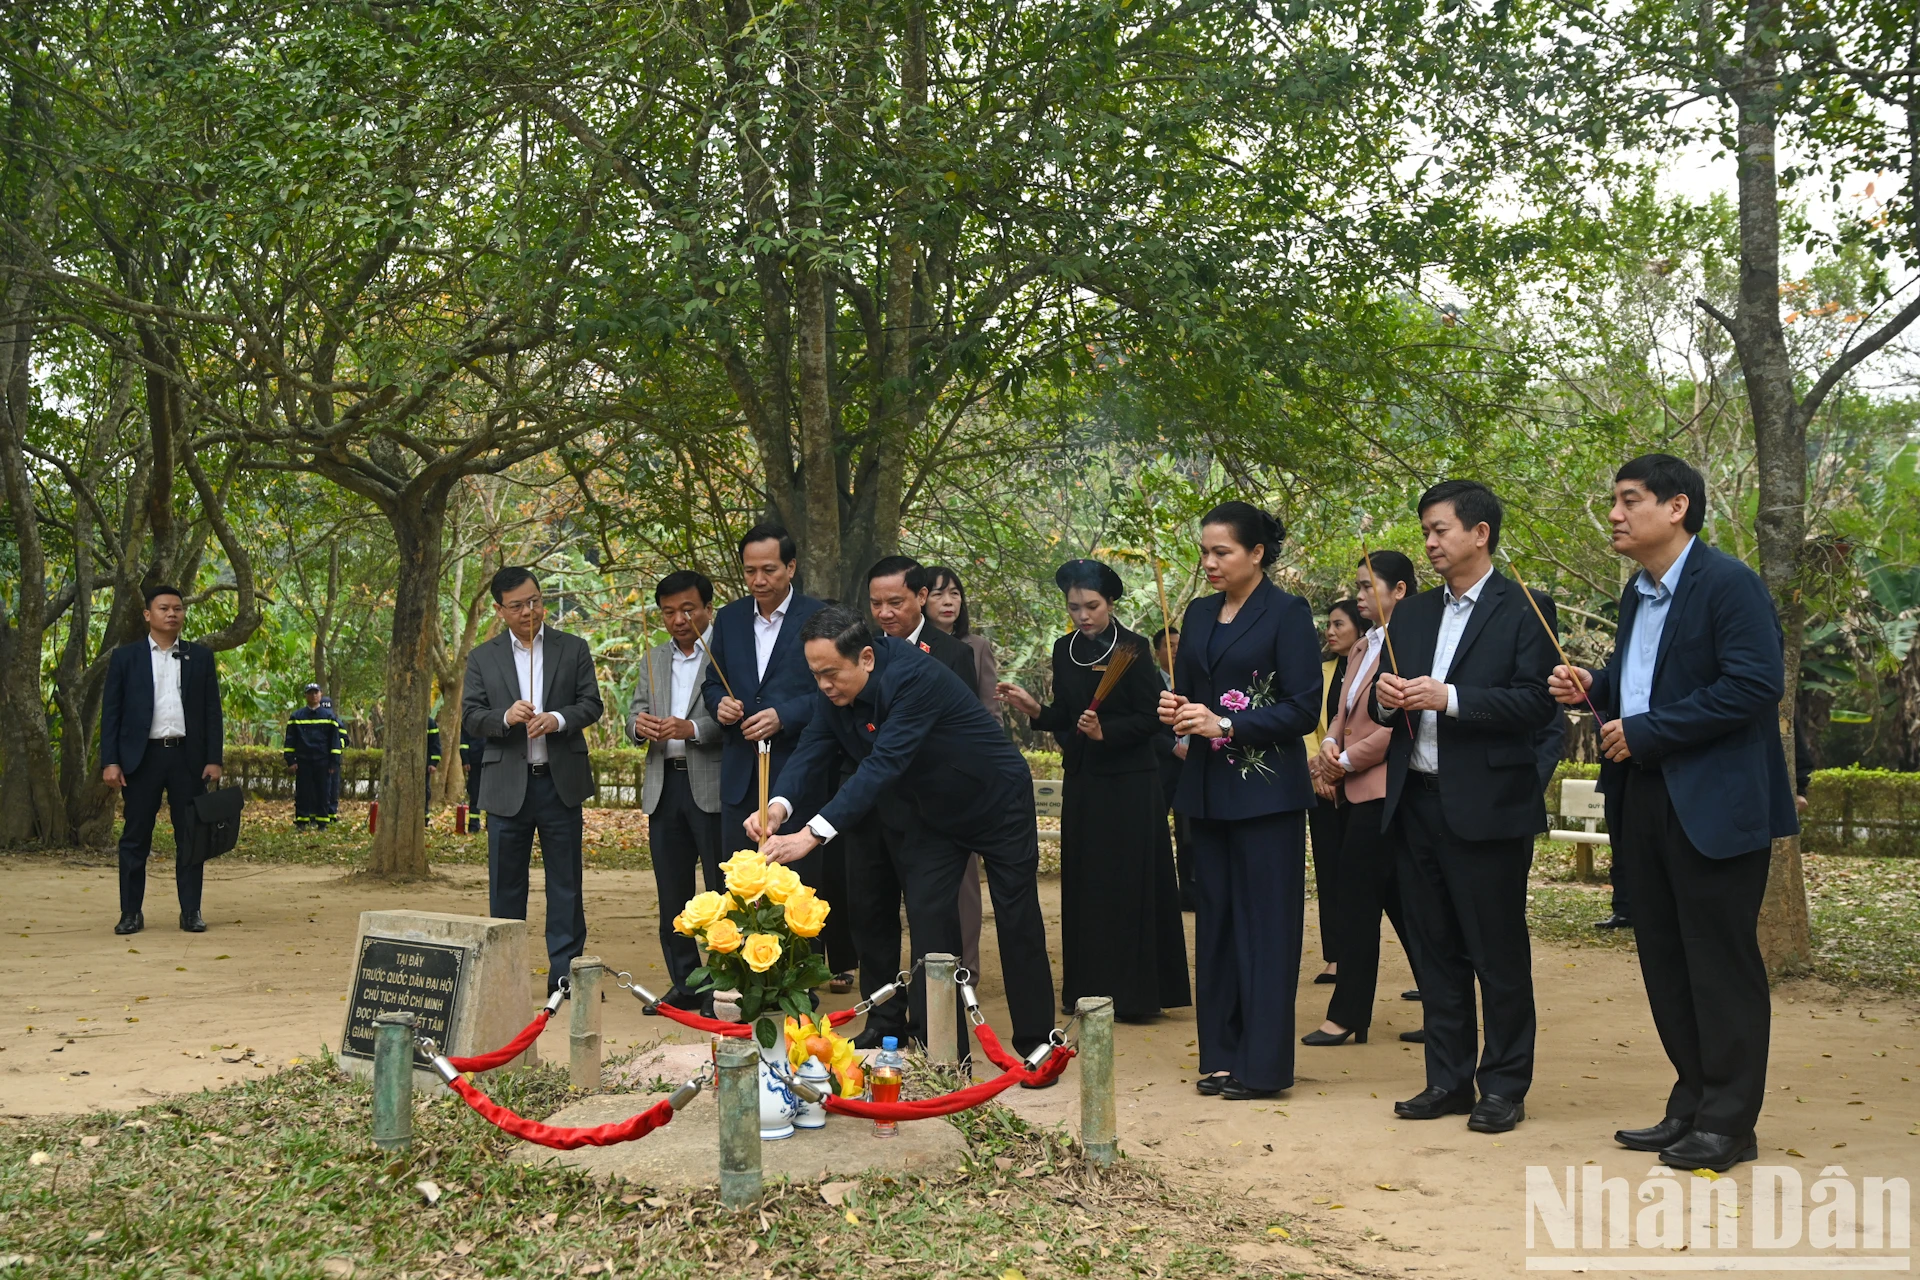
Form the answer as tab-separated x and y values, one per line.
1116	667
766	770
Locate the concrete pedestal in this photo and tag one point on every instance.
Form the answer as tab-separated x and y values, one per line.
486	1006
686	1154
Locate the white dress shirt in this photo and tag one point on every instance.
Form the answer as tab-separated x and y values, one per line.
529	663
1454	613
169	715
914	639
1357	680
685	684
766	633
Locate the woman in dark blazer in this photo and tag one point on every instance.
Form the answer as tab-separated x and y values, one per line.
1327	820
1246	686
1120	930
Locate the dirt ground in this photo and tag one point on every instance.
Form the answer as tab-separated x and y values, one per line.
96	1021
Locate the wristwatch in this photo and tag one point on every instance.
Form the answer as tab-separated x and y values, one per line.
1226	727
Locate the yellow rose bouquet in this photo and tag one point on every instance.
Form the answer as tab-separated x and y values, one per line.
757	937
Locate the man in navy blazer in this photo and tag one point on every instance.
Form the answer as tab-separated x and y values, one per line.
1697	790
757	685
920	735
160	734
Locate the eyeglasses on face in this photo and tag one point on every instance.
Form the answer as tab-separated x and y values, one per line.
522	606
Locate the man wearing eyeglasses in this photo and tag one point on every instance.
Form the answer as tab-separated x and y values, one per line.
529	693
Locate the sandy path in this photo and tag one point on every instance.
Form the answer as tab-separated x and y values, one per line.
117	1022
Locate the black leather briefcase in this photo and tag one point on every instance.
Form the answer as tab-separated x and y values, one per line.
216	821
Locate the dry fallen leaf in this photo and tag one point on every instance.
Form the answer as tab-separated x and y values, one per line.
431	1190
1386	1186
838	1193
337	1268
852	1219
1792	1151
39	1158
91	1141
1282	1232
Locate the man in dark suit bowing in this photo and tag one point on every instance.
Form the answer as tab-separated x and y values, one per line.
160	733
761	691
529	693
921	735
1463	785
897	590
1697	790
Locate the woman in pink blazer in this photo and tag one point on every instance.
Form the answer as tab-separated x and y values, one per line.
1354	757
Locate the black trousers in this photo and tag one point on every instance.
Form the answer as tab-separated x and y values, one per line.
1369	885
1622	895
1250	878
873	894
509	860
1327	826
333	786
163	770
1696	928
836	939
310	790
683	840
1466	908
930	864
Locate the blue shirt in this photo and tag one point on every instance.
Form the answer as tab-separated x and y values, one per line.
1643	646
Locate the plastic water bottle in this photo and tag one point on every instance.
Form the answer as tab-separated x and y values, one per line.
889	1070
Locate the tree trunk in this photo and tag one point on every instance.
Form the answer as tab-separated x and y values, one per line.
1907	689
399	849
1780	439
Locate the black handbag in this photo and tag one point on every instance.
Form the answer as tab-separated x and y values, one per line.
216	821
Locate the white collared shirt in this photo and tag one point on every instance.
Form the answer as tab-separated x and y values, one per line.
914	639
169	713
529	663
766	633
1357	680
1454	614
684	687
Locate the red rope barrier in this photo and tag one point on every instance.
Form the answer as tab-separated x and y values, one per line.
547	1135
959	1099
738	1030
513	1048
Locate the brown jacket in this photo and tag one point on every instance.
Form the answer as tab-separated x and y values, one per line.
1363	739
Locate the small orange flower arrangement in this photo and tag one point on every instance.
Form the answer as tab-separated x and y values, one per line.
758	941
811	1038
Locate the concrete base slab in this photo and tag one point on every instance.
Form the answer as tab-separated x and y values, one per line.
685	1154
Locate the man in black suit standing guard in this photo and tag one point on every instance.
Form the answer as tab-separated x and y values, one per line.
160	732
529	692
920	734
1463	785
756	645
1697	790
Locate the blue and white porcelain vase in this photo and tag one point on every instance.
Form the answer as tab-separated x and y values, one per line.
778	1103
813	1115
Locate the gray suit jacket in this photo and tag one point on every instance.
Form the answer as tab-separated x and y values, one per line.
703	752
493	685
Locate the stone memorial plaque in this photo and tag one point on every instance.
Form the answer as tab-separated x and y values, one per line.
399	976
465	978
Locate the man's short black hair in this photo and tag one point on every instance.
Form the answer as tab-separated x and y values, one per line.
1664	475
846	627
1160	636
918	577
153	593
1473	502
509	579
684	580
1391	567
767	530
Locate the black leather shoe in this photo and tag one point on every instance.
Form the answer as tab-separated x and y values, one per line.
1319	1039
1715	1151
1209	1086
1433	1102
1325	979
872	1036
130	922
1410	995
1614	921
1234	1091
1658	1138
1416	1036
191	922
1496	1114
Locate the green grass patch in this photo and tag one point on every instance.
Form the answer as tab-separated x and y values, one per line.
277	1177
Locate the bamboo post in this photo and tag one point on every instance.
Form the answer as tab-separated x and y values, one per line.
943	1010
738	1064
393	1081
1097	1133
583	1030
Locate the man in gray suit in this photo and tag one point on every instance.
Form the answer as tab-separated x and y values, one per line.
530	691
681	795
